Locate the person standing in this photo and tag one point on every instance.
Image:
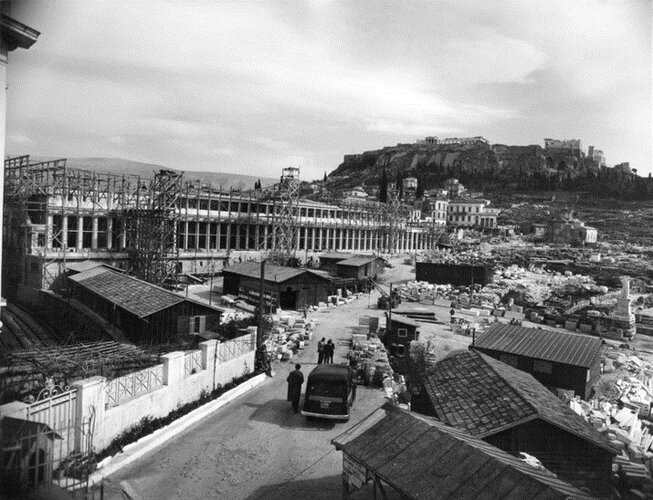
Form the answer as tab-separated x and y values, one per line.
329	349
295	380
320	351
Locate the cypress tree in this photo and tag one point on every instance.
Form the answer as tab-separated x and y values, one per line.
383	187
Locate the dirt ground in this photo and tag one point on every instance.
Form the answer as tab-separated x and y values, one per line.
255	447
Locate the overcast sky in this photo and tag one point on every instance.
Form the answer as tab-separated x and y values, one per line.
251	87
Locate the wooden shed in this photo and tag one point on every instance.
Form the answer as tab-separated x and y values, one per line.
400	331
329	261
453	274
143	311
562	360
511	410
288	287
360	267
406	455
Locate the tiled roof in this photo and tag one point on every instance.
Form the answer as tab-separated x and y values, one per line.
424	458
359	260
275	274
568	348
483	396
131	294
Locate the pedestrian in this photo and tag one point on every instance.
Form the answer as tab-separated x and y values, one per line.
329	349
320	351
305	311
295	380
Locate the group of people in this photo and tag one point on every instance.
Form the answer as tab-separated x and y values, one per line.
325	351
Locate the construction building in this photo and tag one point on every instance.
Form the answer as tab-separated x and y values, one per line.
161	227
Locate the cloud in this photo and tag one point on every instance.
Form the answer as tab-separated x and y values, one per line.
251	85
22	140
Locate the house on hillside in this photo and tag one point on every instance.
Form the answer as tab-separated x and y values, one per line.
145	312
558	360
406	455
509	409
285	287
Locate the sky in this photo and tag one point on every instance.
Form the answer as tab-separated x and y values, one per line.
250	87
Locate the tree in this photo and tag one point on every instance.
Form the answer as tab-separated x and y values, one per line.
399	185
383	187
419	191
325	176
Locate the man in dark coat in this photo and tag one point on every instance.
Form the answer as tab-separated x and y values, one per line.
295	380
329	349
320	351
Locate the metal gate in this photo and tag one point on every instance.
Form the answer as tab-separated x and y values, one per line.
48	445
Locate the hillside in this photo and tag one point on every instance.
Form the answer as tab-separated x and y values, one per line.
487	167
122	166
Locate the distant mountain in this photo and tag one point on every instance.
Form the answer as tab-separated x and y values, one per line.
122	166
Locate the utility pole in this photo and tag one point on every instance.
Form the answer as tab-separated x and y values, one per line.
261	303
389	311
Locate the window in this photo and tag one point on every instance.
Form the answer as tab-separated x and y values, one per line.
542	366
196	326
402	332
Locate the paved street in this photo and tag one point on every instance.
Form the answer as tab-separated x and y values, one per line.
256	447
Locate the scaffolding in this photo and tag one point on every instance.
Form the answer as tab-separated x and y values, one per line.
151	224
284	232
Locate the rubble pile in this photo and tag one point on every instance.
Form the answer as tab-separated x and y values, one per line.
623	413
369	359
288	335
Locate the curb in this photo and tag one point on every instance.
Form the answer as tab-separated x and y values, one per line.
149	443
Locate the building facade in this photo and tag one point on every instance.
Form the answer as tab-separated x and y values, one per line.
471	212
73	215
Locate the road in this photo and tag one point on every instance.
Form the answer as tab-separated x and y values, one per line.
256	447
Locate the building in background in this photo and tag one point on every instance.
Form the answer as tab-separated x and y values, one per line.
471	212
571	145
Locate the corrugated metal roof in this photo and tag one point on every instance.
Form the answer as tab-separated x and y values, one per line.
424	458
336	256
275	274
358	260
131	294
404	320
483	396
568	348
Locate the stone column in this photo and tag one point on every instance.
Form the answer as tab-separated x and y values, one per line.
90	409
185	235
94	234
208	348
80	233
207	242
49	227
173	368
109	233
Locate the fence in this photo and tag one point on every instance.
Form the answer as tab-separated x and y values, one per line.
235	348
192	363
133	385
96	411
